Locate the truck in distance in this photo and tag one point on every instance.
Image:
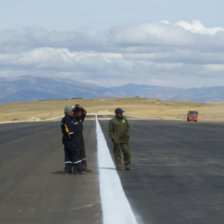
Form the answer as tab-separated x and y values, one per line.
192	115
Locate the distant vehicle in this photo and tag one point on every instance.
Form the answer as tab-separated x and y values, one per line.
192	115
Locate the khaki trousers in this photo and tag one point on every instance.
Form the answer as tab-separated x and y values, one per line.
124	147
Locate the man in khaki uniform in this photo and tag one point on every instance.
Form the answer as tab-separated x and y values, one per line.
118	130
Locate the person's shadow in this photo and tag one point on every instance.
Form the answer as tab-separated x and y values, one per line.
60	172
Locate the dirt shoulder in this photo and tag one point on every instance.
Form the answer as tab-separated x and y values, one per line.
136	108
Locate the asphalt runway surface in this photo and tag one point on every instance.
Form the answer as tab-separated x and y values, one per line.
177	177
33	187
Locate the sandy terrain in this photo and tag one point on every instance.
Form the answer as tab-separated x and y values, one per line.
138	108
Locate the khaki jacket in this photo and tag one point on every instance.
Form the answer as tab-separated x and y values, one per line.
118	130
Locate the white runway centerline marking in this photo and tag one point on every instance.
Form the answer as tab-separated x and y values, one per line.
115	205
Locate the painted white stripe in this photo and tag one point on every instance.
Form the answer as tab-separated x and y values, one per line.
115	206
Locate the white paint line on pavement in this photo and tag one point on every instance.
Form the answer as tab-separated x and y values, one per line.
115	205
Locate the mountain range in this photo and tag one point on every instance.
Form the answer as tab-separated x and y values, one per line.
29	88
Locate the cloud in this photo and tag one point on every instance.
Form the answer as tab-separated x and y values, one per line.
30	38
214	67
198	27
145	53
150	35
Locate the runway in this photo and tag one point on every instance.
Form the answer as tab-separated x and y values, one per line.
33	186
177	177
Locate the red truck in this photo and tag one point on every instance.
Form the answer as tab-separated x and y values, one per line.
192	115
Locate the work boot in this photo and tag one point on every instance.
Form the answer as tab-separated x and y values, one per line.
128	169
74	170
87	170
68	171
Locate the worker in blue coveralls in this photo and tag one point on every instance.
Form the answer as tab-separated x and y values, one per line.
70	141
78	122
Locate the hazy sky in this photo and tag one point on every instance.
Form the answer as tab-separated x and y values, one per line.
158	42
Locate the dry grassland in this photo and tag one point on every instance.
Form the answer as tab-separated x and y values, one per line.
138	108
